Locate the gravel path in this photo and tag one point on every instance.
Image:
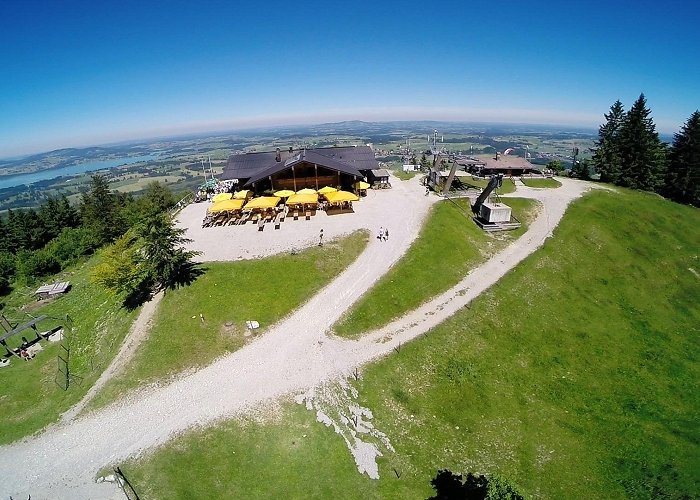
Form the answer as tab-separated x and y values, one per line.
294	355
137	334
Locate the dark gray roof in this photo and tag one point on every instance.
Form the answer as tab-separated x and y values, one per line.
255	166
380	172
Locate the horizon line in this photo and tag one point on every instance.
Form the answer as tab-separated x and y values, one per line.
178	133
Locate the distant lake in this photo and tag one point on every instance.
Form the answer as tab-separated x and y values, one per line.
72	170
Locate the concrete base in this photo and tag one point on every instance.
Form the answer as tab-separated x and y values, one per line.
495	212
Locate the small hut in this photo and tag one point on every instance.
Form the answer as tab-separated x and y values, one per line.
379	178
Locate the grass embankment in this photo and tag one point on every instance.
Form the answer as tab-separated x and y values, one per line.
574	377
450	244
405	176
226	296
30	397
507	187
540	183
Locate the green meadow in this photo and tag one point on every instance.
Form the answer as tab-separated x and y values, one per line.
573	377
226	296
449	246
541	183
31	398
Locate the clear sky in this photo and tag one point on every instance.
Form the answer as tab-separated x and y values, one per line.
76	73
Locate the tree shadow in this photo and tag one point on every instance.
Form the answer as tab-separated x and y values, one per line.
138	296
450	486
186	274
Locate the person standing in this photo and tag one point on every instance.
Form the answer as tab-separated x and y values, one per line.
320	238
386	234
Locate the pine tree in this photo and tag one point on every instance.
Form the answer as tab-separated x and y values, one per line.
682	183
99	209
162	249
607	157
642	155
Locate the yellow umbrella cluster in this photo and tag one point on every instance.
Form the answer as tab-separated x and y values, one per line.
226	206
262	203
221	197
302	199
341	196
284	193
326	190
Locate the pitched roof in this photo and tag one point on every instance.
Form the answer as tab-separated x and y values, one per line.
256	166
506	162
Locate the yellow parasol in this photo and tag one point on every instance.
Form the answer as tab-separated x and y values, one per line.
262	202
326	190
340	196
226	205
284	193
221	197
241	195
306	191
361	185
303	199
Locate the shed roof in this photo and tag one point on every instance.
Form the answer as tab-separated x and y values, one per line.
53	288
380	172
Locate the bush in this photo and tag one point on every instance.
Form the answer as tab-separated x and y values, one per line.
33	265
72	244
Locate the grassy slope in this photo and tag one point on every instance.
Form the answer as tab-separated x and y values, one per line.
264	290
541	183
449	245
404	176
30	399
507	187
574	377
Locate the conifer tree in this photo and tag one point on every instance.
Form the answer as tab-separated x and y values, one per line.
682	183
162	249
607	157
99	209
642	155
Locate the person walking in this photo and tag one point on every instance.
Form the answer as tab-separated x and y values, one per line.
386	234
320	238
381	234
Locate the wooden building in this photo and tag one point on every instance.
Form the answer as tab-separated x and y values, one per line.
485	165
339	167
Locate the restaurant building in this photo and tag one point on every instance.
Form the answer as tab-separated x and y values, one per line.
340	167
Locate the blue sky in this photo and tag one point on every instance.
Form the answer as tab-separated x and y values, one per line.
90	72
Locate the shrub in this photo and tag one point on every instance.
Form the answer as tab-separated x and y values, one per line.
33	265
